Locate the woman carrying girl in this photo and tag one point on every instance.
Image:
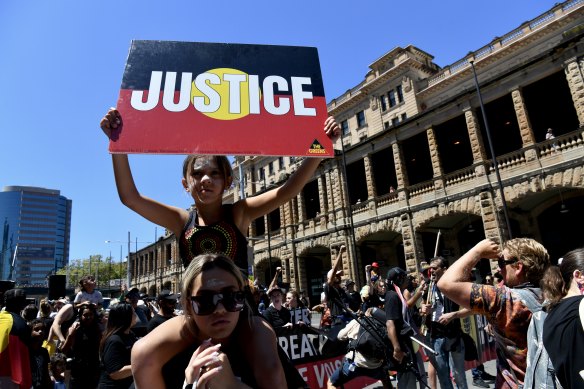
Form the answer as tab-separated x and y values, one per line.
215	311
205	178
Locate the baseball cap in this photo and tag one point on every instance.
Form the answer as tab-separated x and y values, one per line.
133	293
349	282
394	273
374	264
166	295
275	289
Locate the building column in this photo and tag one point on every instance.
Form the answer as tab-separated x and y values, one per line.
413	249
330	203
527	137
301	210
369	177
341	207
476	141
574	69
400	171
435	156
493	223
322	199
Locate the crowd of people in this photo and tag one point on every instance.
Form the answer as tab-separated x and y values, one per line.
224	334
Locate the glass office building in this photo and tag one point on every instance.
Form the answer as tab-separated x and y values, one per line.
35	237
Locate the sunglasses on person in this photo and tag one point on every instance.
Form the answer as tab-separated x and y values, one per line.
207	303
502	262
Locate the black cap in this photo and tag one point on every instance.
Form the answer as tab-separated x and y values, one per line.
166	295
14	300
349	282
133	293
14	294
394	273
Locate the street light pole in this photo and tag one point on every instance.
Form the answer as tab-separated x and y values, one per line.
496	165
268	225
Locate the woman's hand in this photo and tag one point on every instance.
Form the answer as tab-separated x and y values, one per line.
111	121
204	364
209	366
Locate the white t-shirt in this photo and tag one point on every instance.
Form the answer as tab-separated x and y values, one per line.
94	298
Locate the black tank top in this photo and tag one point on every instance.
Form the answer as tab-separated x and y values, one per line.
222	237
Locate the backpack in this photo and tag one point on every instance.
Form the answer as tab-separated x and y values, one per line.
540	372
369	345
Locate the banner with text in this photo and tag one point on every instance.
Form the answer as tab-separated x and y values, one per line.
219	98
316	355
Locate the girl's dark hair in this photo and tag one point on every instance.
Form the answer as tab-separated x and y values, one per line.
119	320
557	279
40	321
85	278
221	161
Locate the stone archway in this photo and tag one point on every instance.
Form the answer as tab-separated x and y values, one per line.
265	269
315	262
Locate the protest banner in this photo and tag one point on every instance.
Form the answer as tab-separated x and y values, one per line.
316	356
219	98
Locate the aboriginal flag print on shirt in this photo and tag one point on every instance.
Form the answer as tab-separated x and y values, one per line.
220	98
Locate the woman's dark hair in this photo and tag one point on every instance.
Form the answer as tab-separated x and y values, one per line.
119	320
30	312
85	306
557	279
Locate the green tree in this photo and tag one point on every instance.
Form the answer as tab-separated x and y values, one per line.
108	273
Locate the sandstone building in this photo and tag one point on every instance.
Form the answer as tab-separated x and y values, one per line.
414	174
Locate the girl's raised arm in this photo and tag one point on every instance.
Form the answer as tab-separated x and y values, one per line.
164	215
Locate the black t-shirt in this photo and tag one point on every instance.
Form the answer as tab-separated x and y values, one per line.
157	320
393	311
276	318
563	338
354	300
334	297
116	354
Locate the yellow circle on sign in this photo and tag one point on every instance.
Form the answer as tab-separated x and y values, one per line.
223	89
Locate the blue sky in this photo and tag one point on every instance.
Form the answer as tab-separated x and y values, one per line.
61	64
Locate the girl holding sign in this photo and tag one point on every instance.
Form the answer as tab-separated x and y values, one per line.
205	178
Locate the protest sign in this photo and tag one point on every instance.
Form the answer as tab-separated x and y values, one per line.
219	98
316	356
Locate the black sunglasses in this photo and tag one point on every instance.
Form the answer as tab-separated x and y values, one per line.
206	304
502	262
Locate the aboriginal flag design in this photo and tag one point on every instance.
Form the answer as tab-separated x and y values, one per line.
14	355
258	99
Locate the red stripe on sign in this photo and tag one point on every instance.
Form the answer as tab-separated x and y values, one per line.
317	373
164	132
